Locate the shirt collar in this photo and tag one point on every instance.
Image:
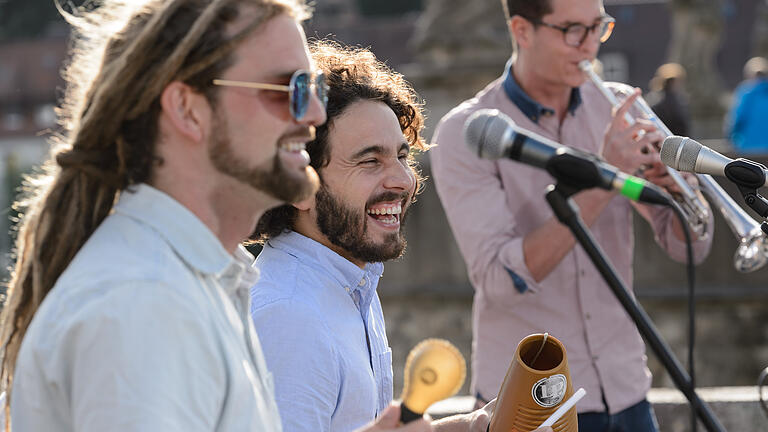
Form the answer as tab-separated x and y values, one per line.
360	283
190	238
532	109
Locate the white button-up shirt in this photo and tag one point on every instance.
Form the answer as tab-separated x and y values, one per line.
146	330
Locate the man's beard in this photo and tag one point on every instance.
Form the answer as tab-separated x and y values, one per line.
346	227
271	177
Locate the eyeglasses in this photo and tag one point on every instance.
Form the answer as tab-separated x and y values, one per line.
575	34
299	90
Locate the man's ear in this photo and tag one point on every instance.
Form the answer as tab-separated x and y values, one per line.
187	110
521	29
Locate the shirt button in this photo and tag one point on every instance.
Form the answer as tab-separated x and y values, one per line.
587	316
362	282
583	273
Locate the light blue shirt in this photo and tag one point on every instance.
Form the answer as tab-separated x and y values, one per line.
313	310
148	329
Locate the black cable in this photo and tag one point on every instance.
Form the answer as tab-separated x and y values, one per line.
691	270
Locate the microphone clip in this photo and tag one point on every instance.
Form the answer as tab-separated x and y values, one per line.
748	176
575	171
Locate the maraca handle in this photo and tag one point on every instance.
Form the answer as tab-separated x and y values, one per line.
407	416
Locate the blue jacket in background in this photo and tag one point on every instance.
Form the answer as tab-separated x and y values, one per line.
748	120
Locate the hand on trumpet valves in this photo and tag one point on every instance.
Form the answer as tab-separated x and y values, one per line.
658	174
631	147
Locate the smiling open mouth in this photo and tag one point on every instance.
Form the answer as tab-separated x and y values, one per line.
388	214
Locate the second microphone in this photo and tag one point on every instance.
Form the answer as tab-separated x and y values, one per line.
493	135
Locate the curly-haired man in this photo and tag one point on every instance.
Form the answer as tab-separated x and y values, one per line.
315	307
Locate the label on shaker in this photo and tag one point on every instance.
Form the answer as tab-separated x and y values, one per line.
548	392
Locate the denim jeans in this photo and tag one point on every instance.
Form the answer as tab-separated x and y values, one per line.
637	418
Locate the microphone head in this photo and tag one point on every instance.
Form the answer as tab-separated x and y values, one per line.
484	133
680	153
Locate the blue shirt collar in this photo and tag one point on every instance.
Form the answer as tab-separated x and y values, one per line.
360	283
532	109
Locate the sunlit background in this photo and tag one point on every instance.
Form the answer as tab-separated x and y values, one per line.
449	49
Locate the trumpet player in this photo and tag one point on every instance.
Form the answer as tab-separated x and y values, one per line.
527	275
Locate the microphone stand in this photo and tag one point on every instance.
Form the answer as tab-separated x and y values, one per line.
558	197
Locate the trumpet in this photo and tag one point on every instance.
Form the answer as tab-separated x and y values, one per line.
696	212
752	252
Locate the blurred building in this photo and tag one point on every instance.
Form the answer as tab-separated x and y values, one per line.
30	84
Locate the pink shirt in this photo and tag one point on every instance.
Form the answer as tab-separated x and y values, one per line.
492	205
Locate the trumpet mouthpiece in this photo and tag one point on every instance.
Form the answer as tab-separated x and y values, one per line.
585	65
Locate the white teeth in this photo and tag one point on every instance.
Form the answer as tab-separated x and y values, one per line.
387	211
294	146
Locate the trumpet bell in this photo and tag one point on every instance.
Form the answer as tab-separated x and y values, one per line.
752	253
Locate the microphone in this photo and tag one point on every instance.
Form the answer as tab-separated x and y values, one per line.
493	135
685	154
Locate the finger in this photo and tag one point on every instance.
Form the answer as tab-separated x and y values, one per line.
654	171
389	418
666	182
648	160
636	134
650	141
656	137
420	425
626	105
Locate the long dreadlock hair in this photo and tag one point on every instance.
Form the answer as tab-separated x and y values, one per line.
122	55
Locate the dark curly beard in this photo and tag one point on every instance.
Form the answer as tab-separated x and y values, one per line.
346	227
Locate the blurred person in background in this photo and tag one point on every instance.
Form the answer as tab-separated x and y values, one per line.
747	122
668	98
528	274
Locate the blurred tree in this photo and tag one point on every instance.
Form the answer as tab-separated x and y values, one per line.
25	19
391	7
761	30
697	28
454	32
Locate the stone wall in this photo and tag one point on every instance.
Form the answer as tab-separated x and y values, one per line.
731	346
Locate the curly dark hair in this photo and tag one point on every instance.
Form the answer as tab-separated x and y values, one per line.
352	74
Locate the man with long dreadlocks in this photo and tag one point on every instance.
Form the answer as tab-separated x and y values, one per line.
183	121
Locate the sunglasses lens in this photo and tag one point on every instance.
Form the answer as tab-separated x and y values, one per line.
321	89
300	95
